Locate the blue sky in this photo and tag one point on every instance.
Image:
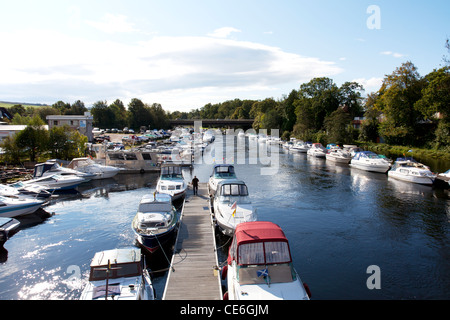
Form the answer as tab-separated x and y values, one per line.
185	54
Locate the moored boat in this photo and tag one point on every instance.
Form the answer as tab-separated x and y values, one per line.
171	181
232	205
317	150
259	265
338	155
57	182
15	207
155	222
408	169
87	165
118	274
369	161
220	172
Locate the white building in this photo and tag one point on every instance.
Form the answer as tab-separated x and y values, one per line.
82	123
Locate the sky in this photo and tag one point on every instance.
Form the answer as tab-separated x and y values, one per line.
184	54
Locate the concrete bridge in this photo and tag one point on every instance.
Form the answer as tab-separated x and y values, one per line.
215	123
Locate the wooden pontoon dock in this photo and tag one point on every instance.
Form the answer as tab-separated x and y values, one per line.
194	274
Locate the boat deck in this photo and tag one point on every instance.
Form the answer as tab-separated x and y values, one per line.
194	259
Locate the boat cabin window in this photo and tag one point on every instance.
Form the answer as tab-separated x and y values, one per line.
227	171
268	252
146	156
130	156
116	156
171	172
118	271
234	190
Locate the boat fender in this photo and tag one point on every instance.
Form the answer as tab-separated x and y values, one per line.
225	296
308	292
142	171
224	272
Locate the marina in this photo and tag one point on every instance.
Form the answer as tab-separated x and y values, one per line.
339	221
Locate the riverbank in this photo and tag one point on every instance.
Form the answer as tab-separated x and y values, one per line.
438	160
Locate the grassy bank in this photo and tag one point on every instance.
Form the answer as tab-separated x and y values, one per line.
381	148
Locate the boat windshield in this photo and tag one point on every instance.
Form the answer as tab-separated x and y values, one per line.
171	173
116	271
224	172
234	193
263	253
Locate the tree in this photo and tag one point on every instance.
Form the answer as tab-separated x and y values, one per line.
435	103
337	126
120	114
350	97
317	99
398	95
103	115
12	150
33	138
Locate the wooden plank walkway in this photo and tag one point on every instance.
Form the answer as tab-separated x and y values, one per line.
194	258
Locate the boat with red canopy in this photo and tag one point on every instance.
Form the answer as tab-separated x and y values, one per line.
259	265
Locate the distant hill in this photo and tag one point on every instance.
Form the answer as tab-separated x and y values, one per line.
7	104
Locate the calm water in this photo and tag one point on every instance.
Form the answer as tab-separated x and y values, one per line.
339	221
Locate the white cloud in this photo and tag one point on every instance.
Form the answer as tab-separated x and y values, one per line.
370	85
47	66
113	23
223	32
393	54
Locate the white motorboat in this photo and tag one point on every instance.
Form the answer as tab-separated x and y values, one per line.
369	161
317	150
338	155
87	165
408	169
57	182
15	207
118	274
299	146
155	222
232	205
208	136
51	167
171	181
259	265
220	172
31	190
8	226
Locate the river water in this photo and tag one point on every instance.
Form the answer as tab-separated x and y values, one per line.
342	223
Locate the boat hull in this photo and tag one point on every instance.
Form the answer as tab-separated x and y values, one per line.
153	243
370	167
17	211
412	179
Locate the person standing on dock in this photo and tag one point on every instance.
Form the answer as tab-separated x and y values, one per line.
195	185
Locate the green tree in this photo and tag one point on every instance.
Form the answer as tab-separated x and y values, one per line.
12	150
103	115
338	126
317	99
120	114
33	138
398	95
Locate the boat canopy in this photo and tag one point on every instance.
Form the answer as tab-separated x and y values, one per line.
121	262
224	170
171	172
259	243
365	154
159	202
